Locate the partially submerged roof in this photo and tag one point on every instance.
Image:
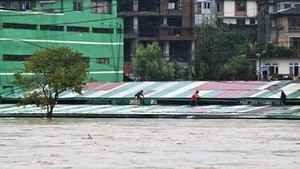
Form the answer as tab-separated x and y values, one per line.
184	90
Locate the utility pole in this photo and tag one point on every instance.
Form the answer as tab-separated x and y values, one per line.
263	22
263	31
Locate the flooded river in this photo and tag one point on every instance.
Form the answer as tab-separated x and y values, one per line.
149	144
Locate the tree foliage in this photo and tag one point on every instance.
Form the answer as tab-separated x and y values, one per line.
216	47
53	71
238	68
274	51
148	63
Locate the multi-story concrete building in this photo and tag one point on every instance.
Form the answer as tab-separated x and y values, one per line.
204	12
169	22
90	27
280	24
239	15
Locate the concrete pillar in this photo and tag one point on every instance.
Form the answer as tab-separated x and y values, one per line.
165	21
166	49
192	52
135	5
191	60
135	25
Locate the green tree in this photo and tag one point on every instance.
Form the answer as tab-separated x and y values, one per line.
214	48
239	68
274	51
54	71
149	64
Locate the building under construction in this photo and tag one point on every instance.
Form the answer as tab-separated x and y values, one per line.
168	22
90	27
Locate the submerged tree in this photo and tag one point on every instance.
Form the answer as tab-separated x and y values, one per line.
149	64
52	71
214	48
239	68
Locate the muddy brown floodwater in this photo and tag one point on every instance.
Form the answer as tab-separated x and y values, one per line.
149	144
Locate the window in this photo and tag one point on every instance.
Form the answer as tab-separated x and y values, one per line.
252	21
240	5
15	57
77	29
17	4
19	26
102	30
51	28
119	30
294	23
48	5
273	69
295	43
206	5
102	60
101	6
173	4
199	7
294	69
77	5
241	21
291	69
218	7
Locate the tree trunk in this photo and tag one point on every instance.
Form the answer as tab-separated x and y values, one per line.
50	112
52	103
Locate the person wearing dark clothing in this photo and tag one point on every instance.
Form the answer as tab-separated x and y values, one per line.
140	97
283	97
194	99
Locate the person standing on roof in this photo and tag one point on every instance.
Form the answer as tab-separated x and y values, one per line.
140	97
194	98
282	97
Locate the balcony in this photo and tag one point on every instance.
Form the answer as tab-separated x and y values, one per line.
175	33
294	29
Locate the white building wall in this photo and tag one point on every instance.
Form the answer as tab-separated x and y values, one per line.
229	8
283	64
251	8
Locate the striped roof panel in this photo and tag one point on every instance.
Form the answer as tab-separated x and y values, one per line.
185	89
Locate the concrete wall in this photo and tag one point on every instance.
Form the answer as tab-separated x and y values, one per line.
93	45
283	64
251	8
229	8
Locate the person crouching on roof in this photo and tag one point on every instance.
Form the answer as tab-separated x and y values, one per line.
139	96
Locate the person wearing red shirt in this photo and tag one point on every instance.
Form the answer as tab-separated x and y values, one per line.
194	99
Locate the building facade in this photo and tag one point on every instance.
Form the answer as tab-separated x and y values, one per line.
280	25
169	22
239	15
90	27
205	12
